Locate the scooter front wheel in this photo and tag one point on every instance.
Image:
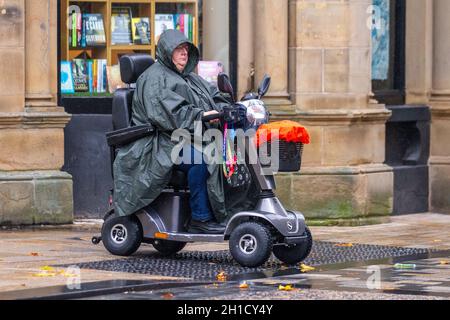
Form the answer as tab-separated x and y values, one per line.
294	254
251	244
122	236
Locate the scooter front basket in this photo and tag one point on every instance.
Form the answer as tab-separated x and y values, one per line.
289	156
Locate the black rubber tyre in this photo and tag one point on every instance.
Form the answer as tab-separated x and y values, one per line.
122	236
251	244
168	248
294	254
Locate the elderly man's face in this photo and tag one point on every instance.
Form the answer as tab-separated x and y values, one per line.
180	56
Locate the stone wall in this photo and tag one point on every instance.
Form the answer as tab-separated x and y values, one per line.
328	69
33	190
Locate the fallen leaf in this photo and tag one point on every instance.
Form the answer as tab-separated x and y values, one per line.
243	285
34	254
344	245
44	274
221	276
437	240
47	268
285	288
168	296
305	268
68	275
443	262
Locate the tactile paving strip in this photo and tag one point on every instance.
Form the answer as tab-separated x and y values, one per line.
206	265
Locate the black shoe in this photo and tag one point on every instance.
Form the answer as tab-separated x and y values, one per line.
209	227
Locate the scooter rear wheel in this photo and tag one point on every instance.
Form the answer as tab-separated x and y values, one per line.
294	254
168	248
251	244
122	236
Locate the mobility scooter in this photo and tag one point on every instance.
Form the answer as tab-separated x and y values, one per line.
252	235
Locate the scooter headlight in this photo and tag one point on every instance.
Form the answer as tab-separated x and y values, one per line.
256	113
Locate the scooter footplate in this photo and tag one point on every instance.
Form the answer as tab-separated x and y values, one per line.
191	237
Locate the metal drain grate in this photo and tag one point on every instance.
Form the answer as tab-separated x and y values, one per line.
206	265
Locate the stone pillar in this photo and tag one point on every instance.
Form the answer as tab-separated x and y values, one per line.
246	58
216	40
343	179
12	56
41	56
271	50
419	51
33	190
440	111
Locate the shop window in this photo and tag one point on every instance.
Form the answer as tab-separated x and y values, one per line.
388	51
94	34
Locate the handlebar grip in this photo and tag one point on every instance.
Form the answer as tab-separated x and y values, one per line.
212	117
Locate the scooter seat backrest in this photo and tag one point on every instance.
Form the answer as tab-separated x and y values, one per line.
131	68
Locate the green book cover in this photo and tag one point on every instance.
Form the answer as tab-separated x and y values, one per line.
80	75
191	28
74	30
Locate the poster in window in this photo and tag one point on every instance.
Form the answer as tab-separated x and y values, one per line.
380	39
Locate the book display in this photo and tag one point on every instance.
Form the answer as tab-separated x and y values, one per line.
96	33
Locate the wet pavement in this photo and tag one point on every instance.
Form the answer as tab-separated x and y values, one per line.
350	263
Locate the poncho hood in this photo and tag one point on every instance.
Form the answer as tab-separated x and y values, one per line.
168	42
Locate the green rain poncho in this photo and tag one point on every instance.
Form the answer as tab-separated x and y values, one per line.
169	100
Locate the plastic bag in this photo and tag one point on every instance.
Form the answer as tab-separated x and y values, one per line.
285	130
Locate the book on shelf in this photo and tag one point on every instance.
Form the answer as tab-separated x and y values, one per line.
80	75
86	30
85	75
114	78
79	28
67	86
163	22
74	30
209	70
182	22
121	31
141	30
101	81
94	27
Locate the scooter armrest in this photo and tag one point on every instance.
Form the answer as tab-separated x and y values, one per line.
128	135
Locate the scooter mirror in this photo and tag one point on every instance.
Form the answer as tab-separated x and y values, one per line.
224	83
264	86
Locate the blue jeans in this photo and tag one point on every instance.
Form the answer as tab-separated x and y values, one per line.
197	175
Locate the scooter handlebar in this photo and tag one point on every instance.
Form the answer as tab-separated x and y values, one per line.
212	117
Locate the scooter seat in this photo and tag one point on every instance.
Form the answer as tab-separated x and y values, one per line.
178	180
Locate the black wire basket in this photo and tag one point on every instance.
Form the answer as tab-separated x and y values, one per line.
290	156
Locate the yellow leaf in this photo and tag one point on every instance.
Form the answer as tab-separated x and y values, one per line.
243	285
221	276
305	268
443	262
285	288
68	275
344	245
44	274
47	268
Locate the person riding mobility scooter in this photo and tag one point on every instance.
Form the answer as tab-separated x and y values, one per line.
252	234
